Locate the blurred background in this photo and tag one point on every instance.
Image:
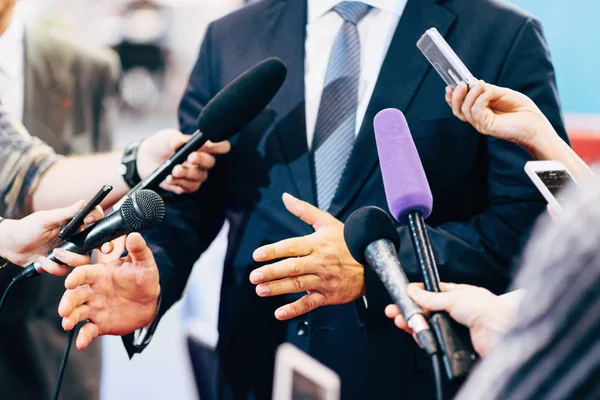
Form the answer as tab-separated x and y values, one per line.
157	42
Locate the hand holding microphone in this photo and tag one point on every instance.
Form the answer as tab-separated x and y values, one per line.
24	241
486	315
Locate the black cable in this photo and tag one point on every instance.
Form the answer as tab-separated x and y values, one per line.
6	291
437	375
63	364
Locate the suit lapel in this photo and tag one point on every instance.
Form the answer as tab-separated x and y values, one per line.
48	93
401	75
286	31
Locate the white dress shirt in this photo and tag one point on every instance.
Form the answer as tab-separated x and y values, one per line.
376	31
12	68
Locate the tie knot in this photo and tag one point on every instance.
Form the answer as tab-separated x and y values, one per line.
352	11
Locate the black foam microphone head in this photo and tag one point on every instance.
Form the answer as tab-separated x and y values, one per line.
143	210
365	226
242	100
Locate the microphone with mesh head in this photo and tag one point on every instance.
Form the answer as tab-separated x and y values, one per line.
143	210
234	107
410	201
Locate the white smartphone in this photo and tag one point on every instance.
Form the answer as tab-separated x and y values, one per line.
550	177
298	376
445	61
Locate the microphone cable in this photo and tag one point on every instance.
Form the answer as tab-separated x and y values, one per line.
437	376
63	363
6	292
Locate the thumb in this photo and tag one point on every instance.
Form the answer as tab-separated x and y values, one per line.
305	211
178	140
431	301
54	218
138	250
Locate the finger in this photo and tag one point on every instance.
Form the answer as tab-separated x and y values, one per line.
431	301
458	96
294	247
85	275
184	185
172	188
139	251
79	314
59	217
392	311
177	140
107	248
189	172
87	334
73	299
216	148
401	323
305	305
71	259
290	267
305	211
490	94
201	160
294	284
470	99
53	268
448	95
95	215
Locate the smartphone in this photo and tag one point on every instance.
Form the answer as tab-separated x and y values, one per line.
445	61
550	177
298	376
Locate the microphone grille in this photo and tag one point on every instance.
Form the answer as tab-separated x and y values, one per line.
365	226
143	210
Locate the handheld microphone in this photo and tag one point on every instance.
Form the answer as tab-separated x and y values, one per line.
234	107
410	201
372	239
143	210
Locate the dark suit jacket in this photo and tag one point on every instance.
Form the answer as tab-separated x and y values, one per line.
483	209
70	90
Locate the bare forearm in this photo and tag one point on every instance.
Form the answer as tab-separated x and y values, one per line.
75	178
551	147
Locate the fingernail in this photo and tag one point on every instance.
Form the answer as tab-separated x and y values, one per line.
260	255
263	290
280	314
257	276
89	219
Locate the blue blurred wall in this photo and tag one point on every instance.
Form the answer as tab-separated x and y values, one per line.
572	28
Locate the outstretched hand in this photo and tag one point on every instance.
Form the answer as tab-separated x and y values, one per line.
115	298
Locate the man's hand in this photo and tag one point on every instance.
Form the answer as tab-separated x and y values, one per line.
319	264
116	298
486	315
24	241
187	177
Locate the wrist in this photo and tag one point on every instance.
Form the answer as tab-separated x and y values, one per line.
129	163
543	142
5	245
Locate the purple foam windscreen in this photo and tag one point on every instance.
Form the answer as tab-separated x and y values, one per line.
406	186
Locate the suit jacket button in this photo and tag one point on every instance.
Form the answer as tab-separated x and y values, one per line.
302	329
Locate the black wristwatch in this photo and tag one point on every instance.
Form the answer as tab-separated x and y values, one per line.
3	262
129	170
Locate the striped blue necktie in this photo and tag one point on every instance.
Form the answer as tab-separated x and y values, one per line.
336	121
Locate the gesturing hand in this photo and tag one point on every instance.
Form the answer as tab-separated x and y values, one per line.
187	177
319	264
485	314
24	241
116	298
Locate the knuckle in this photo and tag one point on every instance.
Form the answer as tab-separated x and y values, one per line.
294	267
290	248
298	284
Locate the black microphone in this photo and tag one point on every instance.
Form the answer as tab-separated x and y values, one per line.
372	239
410	200
143	210
234	107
